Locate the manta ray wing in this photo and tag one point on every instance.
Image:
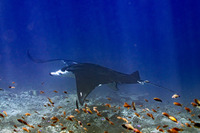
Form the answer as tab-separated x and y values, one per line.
84	86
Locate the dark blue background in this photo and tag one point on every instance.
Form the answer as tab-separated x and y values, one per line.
159	38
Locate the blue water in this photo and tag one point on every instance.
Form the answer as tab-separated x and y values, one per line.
160	39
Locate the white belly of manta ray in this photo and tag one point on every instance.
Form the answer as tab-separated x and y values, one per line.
62	73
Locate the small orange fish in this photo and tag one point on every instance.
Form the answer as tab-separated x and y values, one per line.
173	119
22	121
193	104
158	127
84	110
77	110
136	130
146	100
150	115
177	104
154	110
126	105
111	123
53	125
133	104
65	92
157	99
5	113
99	114
59	107
191	120
137	114
95	109
177	129
15	126
172	131
85	129
54	118
39	125
188	125
13	82
64	113
80	123
12	87
88	124
165	114
147	109
31	126
68	118
61	124
63	128
192	115
107	118
128	126
72	116
41	92
55	91
108	98
161	130
50	101
86	105
43	118
27	114
118	117
25	129
175	96
197	101
182	125
188	109
108	105
165	126
124	119
143	110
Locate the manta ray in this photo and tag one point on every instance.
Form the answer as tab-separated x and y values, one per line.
88	76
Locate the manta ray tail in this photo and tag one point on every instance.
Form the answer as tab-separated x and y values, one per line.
68	62
147	81
161	86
